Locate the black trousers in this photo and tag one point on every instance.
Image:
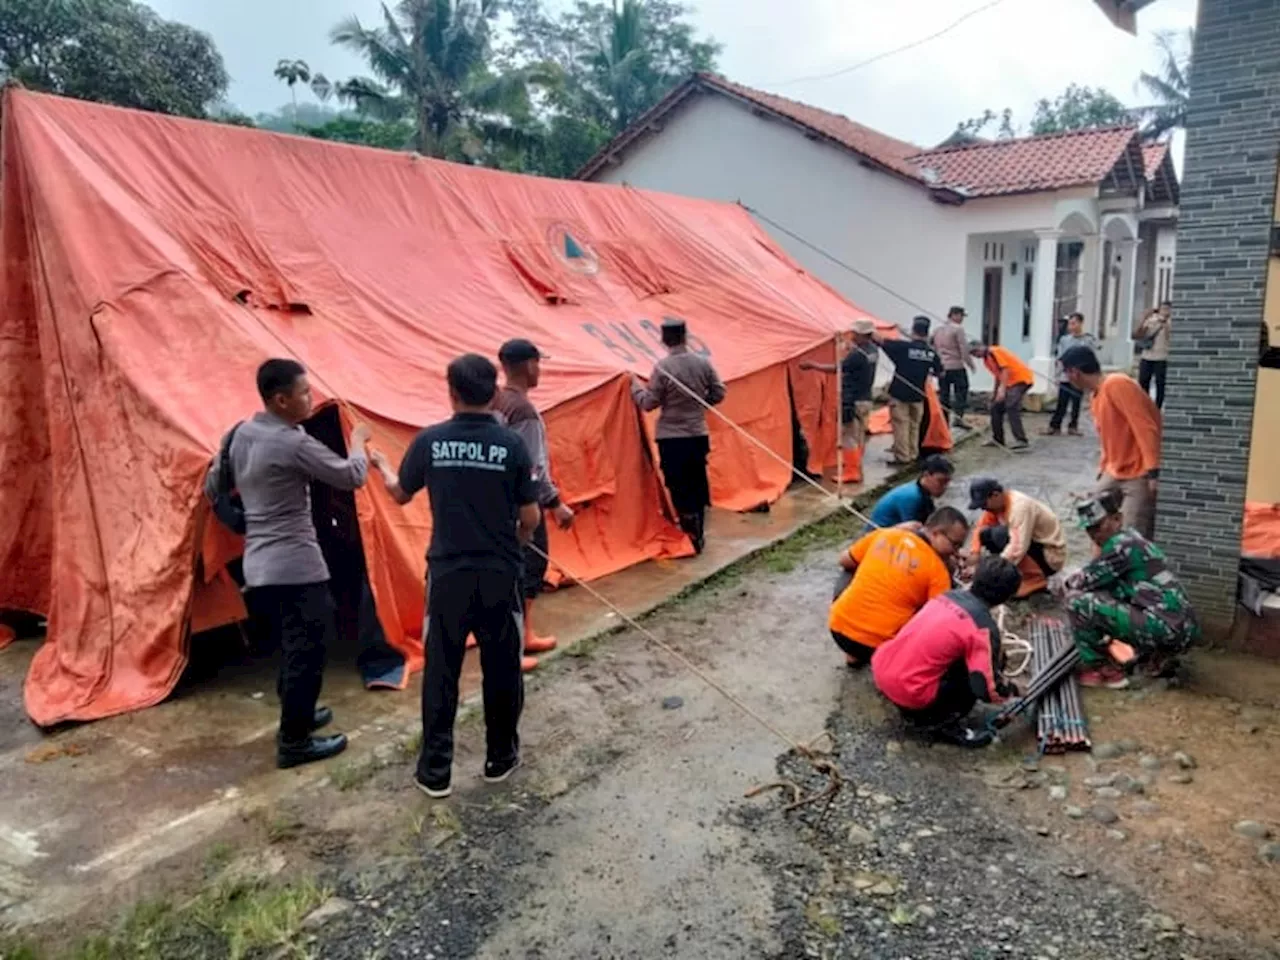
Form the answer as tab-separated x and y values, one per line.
535	563
1068	397
301	620
1149	369
955	392
954	700
860	653
488	604
684	469
1036	553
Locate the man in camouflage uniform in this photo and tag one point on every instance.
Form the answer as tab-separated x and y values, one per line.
1127	594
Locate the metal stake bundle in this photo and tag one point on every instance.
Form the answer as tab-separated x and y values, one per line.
1053	690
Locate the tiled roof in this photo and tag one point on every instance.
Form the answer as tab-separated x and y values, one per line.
886	151
1162	181
981	169
1153	155
872	144
1027	164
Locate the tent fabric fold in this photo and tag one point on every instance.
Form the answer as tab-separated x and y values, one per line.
152	263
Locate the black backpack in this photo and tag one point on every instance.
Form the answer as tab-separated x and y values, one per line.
227	505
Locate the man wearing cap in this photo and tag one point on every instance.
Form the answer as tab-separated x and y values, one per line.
683	384
521	369
1128	432
1036	544
857	376
952	344
1013	379
1127	594
913	363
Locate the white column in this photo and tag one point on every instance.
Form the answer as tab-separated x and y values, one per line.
1091	267
1122	344
1042	320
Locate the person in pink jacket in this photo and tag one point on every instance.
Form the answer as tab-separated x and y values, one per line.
948	657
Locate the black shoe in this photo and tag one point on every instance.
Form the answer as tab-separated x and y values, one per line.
496	772
309	751
323	717
958	735
435	789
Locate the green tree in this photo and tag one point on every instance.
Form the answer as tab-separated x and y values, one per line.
388	135
1168	88
975	128
1078	108
617	59
293	72
113	51
431	64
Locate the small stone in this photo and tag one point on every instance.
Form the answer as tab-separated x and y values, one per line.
1149	761
1117	835
1057	793
1164	922
893	747
1146	808
553	788
924	833
1248	726
1103	814
1128	746
1108	793
1074	872
1127	784
1270	852
906	849
885	888
1106	751
1202	868
317	918
860	836
672	703
1101	780
1042	830
1075	813
1184	760
926	911
1252	829
1182	776
883	800
257	695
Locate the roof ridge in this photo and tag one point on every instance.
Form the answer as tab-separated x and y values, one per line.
1031	138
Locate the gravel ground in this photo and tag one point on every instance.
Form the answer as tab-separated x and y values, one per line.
629	835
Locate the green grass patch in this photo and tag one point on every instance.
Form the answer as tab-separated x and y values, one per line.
229	921
356	773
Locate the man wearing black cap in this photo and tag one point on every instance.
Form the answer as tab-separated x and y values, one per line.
521	370
479	479
1035	541
682	382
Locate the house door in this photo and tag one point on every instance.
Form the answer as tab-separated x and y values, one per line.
992	294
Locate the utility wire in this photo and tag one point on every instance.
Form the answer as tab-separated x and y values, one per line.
890	53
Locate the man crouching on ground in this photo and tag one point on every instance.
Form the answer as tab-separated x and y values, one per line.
484	504
948	657
893	573
1127	594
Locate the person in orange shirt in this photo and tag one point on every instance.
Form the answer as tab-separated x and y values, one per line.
1013	379
1128	425
892	573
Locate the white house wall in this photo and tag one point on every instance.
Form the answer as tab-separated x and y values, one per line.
887	228
717	148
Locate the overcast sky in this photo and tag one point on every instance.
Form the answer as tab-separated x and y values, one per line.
1009	55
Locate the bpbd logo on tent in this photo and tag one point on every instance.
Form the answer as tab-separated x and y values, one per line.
572	250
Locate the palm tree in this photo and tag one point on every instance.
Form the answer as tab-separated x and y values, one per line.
292	72
430	64
1169	88
617	63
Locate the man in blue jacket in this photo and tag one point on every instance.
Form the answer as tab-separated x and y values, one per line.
913	500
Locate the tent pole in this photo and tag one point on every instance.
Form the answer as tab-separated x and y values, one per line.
839	421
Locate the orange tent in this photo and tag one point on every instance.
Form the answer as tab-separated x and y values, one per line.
151	263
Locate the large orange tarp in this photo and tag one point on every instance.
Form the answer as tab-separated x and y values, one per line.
1261	534
152	263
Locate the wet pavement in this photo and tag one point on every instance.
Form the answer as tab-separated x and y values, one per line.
91	807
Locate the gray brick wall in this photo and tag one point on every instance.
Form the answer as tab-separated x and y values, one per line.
1228	194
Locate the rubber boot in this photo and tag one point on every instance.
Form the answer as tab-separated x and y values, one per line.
532	642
